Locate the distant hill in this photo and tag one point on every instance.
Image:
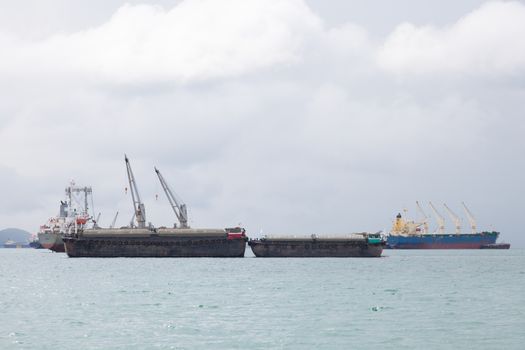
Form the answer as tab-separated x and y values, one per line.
14	234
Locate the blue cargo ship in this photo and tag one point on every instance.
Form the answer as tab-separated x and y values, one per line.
442	241
408	235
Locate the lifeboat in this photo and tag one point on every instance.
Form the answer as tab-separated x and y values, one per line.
81	221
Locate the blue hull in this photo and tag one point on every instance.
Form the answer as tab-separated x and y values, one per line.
442	241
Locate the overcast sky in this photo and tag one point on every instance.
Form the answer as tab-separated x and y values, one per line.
286	116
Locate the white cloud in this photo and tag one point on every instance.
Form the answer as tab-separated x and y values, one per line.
195	40
487	41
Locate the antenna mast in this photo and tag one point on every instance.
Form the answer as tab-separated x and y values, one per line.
179	209
138	206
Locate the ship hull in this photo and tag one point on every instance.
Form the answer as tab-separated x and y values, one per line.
442	241
52	241
314	249
155	247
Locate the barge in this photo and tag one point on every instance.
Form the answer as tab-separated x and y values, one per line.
141	240
496	246
354	245
148	243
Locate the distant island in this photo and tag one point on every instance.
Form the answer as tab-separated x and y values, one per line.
14	234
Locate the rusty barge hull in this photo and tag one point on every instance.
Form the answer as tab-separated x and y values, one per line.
155	247
294	248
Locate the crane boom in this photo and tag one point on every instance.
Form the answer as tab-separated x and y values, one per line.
439	218
138	206
455	218
114	221
471	218
425	217
179	209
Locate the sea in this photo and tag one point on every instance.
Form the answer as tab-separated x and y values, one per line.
421	299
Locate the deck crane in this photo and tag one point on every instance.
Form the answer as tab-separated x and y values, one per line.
455	218
179	209
114	221
471	218
425	217
439	218
95	222
138	206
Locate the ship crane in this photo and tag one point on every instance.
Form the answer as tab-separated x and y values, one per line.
138	206
95	223
455	218
471	218
114	221
439	218
179	209
425	217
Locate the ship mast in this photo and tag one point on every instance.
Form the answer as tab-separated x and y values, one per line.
179	209
138	206
471	218
455	218
425	217
439	218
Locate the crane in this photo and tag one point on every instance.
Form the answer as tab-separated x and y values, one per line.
471	218
95	222
455	218
425	217
138	206
179	209
439	218
114	221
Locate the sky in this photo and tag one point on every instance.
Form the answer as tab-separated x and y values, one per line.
283	116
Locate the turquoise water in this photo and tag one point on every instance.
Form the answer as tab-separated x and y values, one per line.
407	299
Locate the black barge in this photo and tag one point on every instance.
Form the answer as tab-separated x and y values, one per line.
355	245
135	242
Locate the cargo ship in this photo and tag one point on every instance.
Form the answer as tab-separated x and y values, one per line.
12	244
50	237
347	246
73	214
414	235
141	240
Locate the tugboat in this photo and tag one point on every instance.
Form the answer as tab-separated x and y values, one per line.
354	245
35	243
141	240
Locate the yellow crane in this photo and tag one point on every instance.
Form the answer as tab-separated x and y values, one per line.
471	218
439	218
456	219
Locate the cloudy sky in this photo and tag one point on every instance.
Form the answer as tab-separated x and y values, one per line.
286	116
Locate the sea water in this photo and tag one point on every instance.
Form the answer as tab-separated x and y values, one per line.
425	299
